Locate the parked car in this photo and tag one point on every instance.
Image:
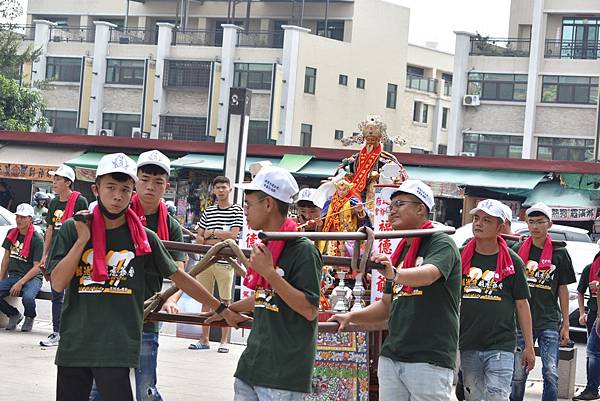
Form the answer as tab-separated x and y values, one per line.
7	221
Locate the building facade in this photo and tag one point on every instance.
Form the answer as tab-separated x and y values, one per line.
534	94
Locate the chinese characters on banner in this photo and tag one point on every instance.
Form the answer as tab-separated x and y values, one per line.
248	239
25	172
381	246
573	214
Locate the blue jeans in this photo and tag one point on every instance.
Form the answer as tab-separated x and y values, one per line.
413	381
548	344
593	360
145	374
57	303
245	392
29	292
487	374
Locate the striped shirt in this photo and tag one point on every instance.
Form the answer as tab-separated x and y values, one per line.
215	218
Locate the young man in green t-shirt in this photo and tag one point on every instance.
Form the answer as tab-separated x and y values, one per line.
420	303
278	361
549	270
66	203
105	266
494	288
20	269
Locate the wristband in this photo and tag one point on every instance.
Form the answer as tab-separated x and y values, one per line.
388	287
220	308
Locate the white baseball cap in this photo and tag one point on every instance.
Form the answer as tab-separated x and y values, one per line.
64	171
306	194
117	163
25	210
414	187
508	214
492	207
273	181
542	208
155	157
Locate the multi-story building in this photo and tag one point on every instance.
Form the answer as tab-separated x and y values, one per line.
534	94
315	69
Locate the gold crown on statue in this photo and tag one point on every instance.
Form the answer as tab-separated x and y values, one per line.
372	126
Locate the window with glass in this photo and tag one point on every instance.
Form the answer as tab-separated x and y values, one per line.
63	69
392	93
567	89
420	112
504	87
360	83
415	71
343	80
486	145
187	74
310	80
258	132
339	134
64	122
565	149
445	111
125	72
335	29
253	76
183	128
442	149
305	135
580	38
388	146
120	124
447	84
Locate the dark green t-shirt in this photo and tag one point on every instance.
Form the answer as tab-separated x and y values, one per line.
543	285
487	309
423	325
584	285
18	266
56	209
101	323
154	282
282	344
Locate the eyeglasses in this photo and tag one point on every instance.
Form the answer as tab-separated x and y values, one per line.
398	204
535	223
256	202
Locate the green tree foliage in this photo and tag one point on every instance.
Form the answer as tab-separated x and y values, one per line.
20	108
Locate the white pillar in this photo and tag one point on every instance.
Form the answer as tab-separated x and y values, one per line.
41	39
437	125
536	56
459	90
230	37
291	46
163	49
99	75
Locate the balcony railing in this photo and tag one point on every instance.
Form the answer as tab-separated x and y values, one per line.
421	84
497	47
26	32
140	36
272	39
572	50
72	34
194	37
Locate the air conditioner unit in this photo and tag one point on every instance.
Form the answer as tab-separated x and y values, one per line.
124	40
470	154
105	132
471	100
136	132
49	129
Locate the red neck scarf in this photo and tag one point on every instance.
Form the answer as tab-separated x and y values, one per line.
70	208
13	235
253	280
546	258
594	270
163	215
411	255
504	263
138	235
365	165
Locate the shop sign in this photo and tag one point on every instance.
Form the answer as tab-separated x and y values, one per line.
18	171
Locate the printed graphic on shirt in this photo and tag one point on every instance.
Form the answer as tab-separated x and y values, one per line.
399	290
537	278
119	271
479	284
56	218
264	298
16	250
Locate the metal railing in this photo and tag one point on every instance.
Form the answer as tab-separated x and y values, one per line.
269	39
140	36
556	48
421	83
500	47
27	32
72	34
194	37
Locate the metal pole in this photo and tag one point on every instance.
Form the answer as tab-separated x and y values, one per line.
126	15
327	18
302	15
248	2
349	236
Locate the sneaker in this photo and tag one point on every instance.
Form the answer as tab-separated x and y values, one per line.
51	341
27	324
13	321
586	395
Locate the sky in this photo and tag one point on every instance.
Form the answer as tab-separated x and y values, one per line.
436	20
